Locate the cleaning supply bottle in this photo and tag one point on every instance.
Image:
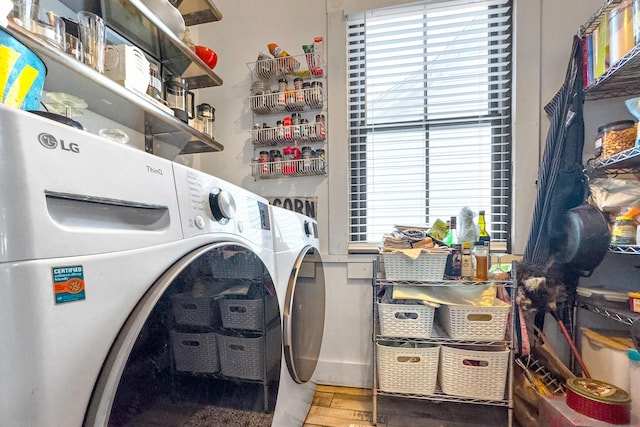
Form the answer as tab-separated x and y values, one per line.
291	64
452	235
482	226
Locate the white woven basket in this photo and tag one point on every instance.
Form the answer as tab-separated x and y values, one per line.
466	322
473	373
428	266
408	370
195	352
405	320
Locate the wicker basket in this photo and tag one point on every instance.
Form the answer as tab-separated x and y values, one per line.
195	352
247	313
244	356
428	266
466	322
405	320
192	310
408	370
479	374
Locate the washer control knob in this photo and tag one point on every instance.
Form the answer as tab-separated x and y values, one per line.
222	204
199	222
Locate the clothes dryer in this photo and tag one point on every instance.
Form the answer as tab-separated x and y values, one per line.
98	243
300	277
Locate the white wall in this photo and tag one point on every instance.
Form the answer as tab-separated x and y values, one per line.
543	36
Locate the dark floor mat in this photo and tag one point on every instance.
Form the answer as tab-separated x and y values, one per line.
214	416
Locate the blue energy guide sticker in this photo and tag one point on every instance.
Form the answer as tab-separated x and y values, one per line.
68	283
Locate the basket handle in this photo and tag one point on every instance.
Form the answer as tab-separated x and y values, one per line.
408	359
236	347
476	363
405	315
479	317
237	309
191	343
188	306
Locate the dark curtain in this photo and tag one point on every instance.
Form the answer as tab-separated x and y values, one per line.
561	182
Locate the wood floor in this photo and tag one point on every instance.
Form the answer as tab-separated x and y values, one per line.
352	407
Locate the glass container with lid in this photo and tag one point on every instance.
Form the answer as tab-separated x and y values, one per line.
179	98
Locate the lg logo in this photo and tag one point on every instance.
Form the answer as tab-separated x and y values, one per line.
49	141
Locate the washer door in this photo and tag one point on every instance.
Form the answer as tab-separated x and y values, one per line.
303	316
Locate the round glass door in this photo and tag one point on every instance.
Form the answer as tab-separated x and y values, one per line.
205	341
303	316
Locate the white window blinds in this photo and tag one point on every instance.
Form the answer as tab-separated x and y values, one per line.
429	115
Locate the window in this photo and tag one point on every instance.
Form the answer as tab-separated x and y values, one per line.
429	115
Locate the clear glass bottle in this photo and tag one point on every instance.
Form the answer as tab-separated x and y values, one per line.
482	226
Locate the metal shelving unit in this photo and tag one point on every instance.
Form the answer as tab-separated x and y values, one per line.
620	79
134	110
440	337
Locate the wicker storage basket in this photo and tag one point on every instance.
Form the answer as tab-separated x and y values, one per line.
428	266
467	322
405	320
192	310
479	374
408	370
247	313
195	352
244	356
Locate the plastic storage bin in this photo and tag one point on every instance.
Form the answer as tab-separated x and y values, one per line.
247	313
404	369
605	355
428	266
190	310
195	352
244	356
241	265
466	322
479	374
405	320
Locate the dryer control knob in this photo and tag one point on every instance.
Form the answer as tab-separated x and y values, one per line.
307	229
222	204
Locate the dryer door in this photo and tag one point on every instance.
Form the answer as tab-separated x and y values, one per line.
303	315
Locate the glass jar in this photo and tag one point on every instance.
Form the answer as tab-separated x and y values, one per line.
618	136
481	261
624	231
206	118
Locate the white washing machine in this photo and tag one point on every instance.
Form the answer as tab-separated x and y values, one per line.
300	277
97	243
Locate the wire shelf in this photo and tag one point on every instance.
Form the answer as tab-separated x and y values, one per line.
620	79
304	66
308	99
304	133
627	161
619	315
441	397
625	249
289	168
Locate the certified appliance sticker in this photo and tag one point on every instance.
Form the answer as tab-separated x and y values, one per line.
68	283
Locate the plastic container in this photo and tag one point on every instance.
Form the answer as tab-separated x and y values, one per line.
428	266
195	352
405	320
605	355
466	322
411	368
634	384
479	374
618	136
621	31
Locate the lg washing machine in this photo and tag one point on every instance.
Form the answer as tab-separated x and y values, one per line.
134	288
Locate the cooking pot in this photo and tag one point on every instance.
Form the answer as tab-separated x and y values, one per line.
599	400
587	238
